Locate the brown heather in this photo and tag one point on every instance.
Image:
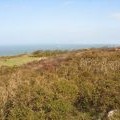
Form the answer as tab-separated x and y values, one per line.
66	85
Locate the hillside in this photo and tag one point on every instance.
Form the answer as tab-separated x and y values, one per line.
64	85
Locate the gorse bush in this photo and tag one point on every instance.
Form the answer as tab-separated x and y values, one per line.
76	85
41	53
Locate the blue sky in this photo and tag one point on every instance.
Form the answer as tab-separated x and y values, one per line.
59	21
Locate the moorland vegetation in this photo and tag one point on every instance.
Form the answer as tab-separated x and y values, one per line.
66	85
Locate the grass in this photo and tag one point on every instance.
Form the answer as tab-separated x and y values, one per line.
17	60
26	58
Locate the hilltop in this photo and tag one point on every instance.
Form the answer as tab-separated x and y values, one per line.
61	85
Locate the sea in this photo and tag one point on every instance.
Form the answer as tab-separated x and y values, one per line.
23	49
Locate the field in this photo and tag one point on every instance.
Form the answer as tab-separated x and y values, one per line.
64	85
16	60
26	58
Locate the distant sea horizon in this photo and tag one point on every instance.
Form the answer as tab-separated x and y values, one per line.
11	50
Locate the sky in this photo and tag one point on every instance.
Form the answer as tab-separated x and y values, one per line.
59	22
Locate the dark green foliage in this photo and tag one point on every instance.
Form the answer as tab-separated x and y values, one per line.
47	53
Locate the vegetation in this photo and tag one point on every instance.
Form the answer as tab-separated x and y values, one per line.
16	60
47	53
24	58
75	85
